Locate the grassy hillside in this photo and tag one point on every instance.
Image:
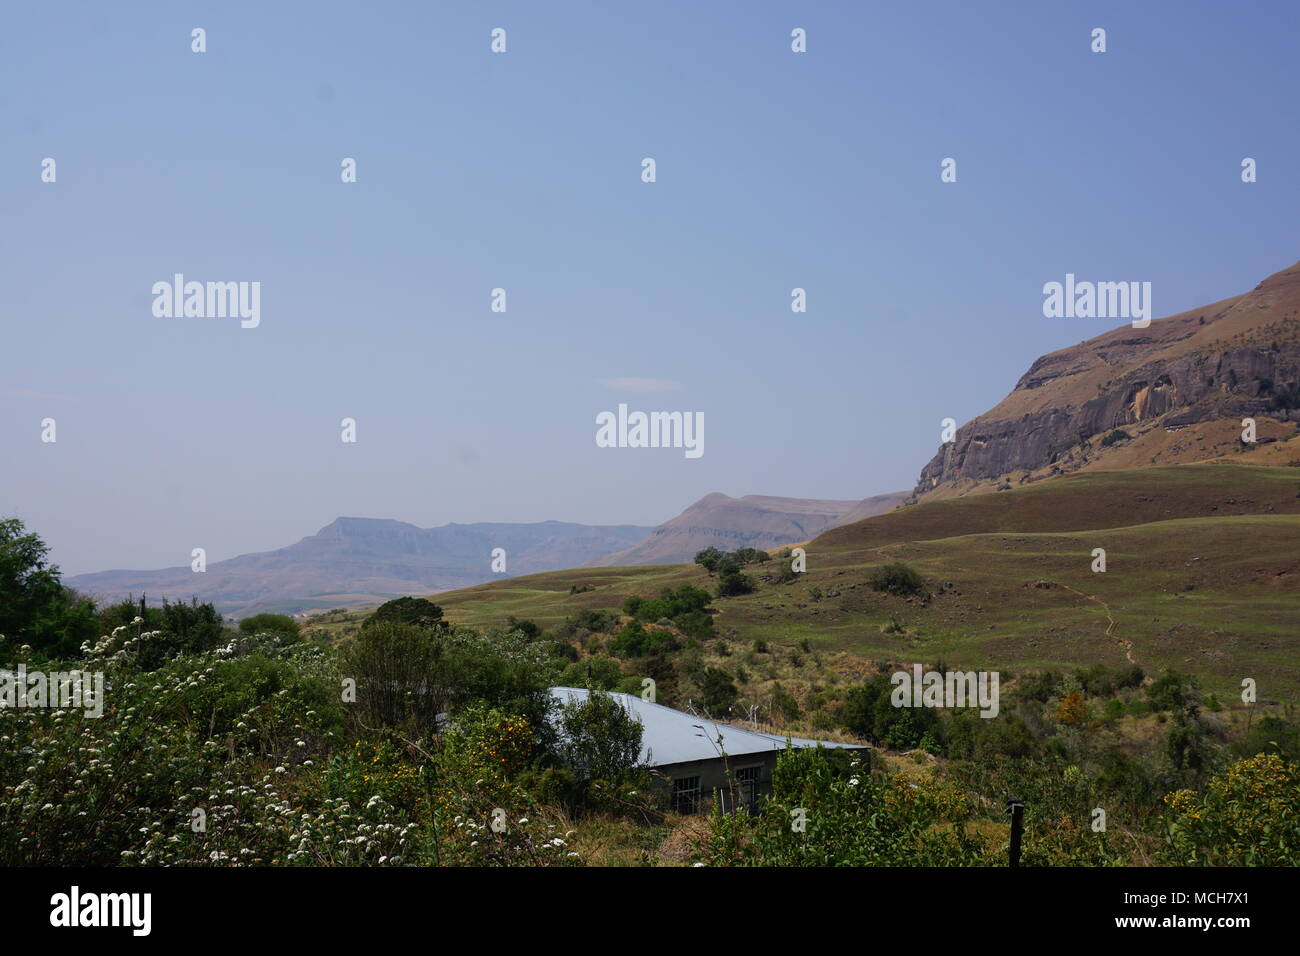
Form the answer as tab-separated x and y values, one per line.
1194	581
1101	499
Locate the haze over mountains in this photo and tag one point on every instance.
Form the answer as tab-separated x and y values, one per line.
355	561
1177	391
754	521
363	561
1179	388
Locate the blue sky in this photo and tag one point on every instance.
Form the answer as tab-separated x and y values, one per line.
522	170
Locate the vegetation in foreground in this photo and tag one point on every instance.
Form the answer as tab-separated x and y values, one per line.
418	742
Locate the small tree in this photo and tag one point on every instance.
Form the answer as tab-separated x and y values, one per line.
731	582
407	610
598	739
719	690
708	559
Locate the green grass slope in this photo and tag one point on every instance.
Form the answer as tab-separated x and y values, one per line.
1101	499
1191	582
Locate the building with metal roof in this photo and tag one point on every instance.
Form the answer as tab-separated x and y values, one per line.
695	753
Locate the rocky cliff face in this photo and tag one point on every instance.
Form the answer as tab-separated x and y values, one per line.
1232	359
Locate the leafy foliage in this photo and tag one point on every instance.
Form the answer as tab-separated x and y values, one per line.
897	578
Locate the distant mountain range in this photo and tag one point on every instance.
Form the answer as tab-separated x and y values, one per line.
356	562
754	521
359	561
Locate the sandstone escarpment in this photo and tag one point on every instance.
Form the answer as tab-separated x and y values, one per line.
1229	360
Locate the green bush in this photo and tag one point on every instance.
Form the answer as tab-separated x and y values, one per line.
1247	815
719	691
732	583
635	641
598	739
828	809
898	579
597	671
280	624
406	610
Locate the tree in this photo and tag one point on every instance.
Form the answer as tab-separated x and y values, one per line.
408	674
598	739
407	610
708	558
35	608
719	690
180	628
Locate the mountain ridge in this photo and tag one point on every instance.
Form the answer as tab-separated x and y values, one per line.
365	560
750	521
1238	357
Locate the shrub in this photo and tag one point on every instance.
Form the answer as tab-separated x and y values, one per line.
783	703
1272	735
407	673
487	748
719	691
847	817
530	629
596	672
636	641
406	610
1248	815
280	624
598	739
1173	690
898	579
731	583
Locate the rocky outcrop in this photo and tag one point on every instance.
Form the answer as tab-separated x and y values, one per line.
1232	359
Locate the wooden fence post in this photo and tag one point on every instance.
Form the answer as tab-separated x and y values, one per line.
1017	810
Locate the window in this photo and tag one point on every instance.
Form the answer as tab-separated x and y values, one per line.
747	784
686	794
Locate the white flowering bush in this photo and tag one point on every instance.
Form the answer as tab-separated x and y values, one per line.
247	755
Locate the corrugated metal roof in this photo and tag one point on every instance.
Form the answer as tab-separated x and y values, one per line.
673	736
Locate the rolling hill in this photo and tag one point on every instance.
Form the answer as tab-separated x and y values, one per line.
1203	575
754	521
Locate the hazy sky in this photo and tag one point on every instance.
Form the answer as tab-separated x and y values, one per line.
522	171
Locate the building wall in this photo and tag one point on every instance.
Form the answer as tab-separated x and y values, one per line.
714	783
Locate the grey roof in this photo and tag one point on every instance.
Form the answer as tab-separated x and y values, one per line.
672	736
